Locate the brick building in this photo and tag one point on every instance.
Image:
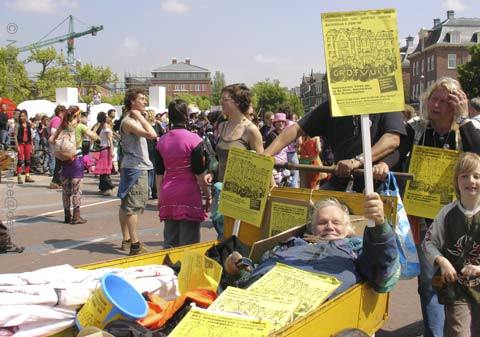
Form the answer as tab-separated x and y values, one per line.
183	77
440	50
313	90
177	78
405	51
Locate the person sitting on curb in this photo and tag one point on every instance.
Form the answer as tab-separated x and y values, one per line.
335	251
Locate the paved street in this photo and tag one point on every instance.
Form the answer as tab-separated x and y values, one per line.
48	241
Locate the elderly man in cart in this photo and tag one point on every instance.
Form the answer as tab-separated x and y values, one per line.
329	248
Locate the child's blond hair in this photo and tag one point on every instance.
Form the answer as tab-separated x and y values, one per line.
467	163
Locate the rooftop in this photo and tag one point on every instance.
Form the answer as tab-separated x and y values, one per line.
180	67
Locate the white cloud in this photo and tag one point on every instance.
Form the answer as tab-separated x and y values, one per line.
175	6
456	5
132	47
42	6
267	60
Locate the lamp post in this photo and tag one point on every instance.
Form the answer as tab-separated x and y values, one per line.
421	94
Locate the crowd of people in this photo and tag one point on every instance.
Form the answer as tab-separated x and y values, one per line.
180	158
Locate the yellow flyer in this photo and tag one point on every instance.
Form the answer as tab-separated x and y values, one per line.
284	216
432	187
201	323
275	309
311	289
363	62
198	271
246	185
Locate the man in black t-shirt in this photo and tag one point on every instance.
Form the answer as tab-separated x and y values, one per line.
344	136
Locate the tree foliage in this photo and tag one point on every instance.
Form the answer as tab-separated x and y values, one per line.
45	57
55	73
88	76
14	82
469	73
54	77
270	96
202	102
114	99
217	86
295	104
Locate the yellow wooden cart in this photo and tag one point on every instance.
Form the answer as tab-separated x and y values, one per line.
358	307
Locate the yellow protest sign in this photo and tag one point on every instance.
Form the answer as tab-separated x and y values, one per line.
311	289
198	271
200	323
276	309
363	62
285	216
246	185
432	187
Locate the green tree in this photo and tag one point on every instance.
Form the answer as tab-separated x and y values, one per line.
45	57
54	73
217	86
295	104
203	103
52	78
469	73
189	98
268	96
14	82
115	99
88	76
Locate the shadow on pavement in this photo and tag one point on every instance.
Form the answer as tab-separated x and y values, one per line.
411	330
92	247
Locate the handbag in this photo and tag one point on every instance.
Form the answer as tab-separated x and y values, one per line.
407	252
211	155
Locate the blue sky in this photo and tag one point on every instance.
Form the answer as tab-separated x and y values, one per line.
248	40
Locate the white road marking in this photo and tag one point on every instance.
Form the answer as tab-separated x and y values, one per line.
61	210
76	245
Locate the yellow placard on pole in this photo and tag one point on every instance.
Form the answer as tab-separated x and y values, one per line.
311	289
285	216
363	62
246	185
198	271
200	323
432	187
275	309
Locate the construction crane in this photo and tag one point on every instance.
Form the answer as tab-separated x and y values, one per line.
67	37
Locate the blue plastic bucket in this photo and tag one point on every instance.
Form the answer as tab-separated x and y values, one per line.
114	299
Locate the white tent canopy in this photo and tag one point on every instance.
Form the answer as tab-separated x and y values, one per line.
41	106
94	110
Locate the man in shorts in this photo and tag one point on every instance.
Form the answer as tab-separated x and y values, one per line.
133	187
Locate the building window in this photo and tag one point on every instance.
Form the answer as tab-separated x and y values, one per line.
475	38
197	87
452	61
455	37
432	62
179	87
428	63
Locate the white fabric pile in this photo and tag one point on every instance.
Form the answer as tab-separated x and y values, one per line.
43	302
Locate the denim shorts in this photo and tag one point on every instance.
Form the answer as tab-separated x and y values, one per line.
136	199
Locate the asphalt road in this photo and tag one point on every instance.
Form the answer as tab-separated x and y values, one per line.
39	227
